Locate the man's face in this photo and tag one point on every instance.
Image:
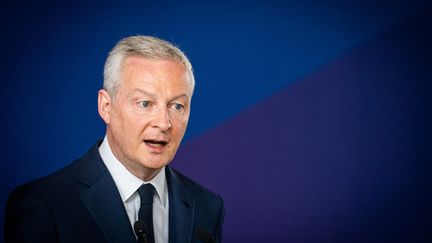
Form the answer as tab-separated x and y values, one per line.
147	118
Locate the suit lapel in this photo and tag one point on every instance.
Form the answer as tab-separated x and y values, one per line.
181	209
103	200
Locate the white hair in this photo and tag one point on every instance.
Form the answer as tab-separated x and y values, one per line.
147	47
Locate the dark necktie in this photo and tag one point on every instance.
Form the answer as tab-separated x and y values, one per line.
145	213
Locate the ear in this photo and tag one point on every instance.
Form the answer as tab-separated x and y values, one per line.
104	105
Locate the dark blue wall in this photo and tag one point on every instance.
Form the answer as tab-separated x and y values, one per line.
312	120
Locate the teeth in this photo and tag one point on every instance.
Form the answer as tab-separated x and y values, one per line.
155	143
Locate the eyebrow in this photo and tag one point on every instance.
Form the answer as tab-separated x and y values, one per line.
152	96
143	92
180	96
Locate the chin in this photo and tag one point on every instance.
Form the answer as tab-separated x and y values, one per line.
155	164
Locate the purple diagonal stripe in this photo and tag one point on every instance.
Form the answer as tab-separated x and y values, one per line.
341	156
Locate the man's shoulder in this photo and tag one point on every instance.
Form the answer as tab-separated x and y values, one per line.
53	184
55	177
44	204
195	189
209	206
59	180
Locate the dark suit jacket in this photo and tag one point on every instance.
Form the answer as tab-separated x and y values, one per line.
81	203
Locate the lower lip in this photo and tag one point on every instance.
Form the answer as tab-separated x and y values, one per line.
156	149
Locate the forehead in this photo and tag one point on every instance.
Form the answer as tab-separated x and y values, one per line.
151	69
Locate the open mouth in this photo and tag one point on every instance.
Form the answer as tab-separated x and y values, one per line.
155	143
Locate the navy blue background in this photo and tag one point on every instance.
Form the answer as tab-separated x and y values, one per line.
311	119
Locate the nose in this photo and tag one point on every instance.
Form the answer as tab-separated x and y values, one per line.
161	119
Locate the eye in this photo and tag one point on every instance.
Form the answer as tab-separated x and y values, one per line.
145	103
178	106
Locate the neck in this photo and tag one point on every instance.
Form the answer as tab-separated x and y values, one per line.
145	174
137	169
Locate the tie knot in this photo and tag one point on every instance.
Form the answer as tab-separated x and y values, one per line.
146	192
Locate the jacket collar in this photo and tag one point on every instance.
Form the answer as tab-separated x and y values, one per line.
104	203
102	198
181	209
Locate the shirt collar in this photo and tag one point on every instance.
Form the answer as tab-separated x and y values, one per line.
126	182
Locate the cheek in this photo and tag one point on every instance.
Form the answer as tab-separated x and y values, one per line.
128	126
180	128
132	119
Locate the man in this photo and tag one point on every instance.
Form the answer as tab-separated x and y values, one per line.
126	178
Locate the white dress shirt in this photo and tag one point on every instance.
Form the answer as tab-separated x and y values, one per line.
128	184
